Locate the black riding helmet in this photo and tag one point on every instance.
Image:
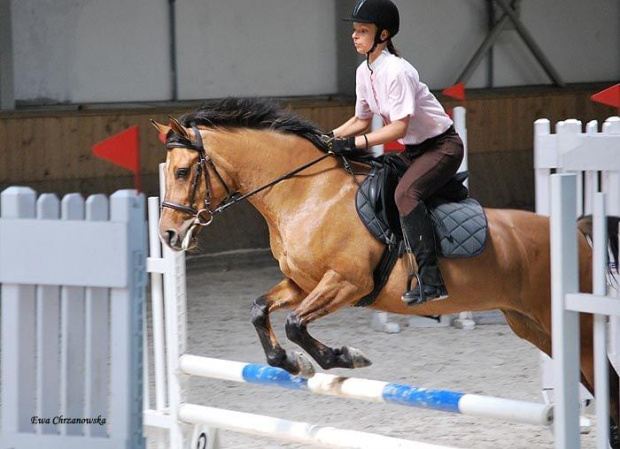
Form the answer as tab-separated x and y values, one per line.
382	13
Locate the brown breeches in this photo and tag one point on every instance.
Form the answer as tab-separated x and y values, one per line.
433	163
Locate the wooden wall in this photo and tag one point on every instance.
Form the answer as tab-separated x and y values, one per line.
500	127
50	150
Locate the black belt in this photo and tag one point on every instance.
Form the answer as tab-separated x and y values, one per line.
414	150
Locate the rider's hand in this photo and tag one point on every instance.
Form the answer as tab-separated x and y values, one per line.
342	145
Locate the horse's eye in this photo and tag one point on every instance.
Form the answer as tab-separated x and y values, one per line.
182	173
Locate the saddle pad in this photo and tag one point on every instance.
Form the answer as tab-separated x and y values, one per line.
461	227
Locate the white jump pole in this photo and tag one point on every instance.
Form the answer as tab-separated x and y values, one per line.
292	431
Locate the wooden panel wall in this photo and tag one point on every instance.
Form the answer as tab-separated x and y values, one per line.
47	148
51	150
503	119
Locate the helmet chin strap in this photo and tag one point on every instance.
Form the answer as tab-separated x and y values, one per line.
378	41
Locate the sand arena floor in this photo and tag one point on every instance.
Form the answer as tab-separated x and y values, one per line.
488	360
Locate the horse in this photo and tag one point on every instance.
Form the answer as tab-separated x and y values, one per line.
250	149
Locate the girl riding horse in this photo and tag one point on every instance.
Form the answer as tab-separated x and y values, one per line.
390	87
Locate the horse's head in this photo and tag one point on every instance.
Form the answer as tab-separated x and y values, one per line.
194	186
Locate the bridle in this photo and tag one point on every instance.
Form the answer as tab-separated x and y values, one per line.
204	216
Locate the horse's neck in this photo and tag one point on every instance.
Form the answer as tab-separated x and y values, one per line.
257	158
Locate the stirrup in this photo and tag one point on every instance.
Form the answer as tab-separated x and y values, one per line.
419	295
408	297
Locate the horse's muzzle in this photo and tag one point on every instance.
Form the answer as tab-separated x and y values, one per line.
180	241
171	238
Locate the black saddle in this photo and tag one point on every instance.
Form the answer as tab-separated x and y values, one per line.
460	222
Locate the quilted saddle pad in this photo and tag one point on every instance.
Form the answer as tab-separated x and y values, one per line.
461	227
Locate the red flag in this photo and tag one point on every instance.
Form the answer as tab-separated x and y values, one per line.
122	149
457	91
393	146
609	96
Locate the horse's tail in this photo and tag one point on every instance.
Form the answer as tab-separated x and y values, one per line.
584	224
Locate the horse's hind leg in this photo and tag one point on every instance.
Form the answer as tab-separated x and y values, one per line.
332	294
285	294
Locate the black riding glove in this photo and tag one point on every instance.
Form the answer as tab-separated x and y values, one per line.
342	145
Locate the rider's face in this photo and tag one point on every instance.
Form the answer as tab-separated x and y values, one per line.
363	36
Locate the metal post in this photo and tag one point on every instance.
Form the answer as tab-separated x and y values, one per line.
7	89
173	50
491	58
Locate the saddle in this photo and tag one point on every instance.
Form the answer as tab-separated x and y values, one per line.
460	224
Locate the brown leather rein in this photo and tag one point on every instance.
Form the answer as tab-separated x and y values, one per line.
204	216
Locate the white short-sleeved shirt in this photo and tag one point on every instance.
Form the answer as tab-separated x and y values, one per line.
394	91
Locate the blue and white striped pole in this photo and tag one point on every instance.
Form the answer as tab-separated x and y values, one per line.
372	390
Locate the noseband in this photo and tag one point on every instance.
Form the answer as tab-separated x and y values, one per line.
204	216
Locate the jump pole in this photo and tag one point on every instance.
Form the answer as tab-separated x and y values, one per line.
293	431
371	391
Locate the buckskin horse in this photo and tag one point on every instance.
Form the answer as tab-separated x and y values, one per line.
238	149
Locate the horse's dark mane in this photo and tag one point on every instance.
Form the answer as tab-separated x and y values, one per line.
254	113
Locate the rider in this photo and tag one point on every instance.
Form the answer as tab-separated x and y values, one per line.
388	85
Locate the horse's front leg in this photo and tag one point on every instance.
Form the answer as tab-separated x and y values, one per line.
285	294
333	293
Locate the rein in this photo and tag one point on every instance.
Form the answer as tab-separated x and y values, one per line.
231	198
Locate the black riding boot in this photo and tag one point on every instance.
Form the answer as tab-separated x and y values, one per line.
420	240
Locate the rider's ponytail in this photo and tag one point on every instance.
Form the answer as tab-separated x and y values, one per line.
392	49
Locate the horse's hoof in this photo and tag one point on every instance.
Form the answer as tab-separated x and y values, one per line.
303	363
356	358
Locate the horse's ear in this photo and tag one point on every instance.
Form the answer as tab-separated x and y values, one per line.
163	129
178	128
